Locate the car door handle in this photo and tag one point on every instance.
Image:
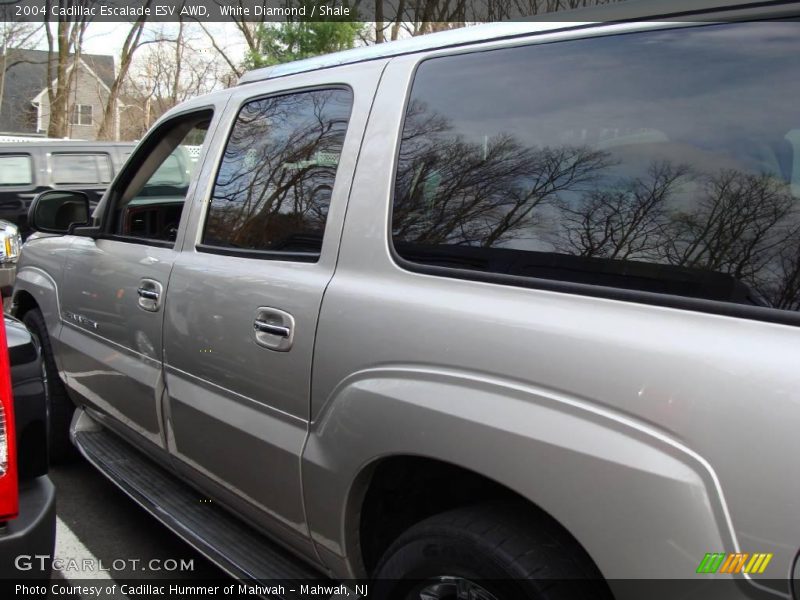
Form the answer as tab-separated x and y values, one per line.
265	327
149	291
149	294
273	328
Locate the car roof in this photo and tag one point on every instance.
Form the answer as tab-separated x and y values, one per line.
632	10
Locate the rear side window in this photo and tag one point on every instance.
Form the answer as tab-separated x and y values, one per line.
81	168
16	169
664	162
274	184
173	171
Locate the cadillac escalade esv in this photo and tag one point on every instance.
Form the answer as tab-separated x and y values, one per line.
508	311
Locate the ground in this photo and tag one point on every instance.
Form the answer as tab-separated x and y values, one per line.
99	523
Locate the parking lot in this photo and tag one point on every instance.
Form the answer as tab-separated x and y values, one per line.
102	534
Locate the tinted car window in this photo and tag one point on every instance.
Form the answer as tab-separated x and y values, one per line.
16	170
665	161
152	209
274	183
171	172
81	168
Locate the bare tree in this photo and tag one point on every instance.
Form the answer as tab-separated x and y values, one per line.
738	224
15	35
782	284
418	17
246	26
493	10
380	25
133	41
626	221
457	192
175	66
726	234
18	34
63	55
279	178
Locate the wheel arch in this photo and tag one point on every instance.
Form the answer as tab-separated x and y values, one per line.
35	288
23	302
393	493
598	474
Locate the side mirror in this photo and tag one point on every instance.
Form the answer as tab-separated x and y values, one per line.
57	211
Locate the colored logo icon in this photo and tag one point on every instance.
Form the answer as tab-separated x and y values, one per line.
738	562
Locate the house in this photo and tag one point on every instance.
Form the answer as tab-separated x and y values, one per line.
24	102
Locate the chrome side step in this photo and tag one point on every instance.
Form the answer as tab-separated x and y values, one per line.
215	533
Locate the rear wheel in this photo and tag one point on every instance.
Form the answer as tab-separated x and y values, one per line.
487	553
59	405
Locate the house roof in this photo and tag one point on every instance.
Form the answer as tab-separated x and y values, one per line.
26	76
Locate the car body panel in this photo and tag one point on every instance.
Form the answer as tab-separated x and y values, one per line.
687	375
112	347
38	278
251	402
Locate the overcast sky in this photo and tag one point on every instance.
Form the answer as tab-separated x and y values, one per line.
107	38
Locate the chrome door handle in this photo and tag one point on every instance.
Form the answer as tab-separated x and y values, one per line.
149	294
149	291
273	328
265	327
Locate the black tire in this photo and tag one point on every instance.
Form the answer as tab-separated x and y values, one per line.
59	405
497	552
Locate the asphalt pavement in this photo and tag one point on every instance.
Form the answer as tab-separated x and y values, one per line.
103	535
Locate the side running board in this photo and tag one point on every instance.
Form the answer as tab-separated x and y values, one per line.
215	533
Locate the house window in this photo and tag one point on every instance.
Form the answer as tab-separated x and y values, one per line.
81	114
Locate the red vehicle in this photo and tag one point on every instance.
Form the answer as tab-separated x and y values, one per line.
27	496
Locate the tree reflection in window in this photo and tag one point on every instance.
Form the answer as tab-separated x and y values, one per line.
672	181
274	184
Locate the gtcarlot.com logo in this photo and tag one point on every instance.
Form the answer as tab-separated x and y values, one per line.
26	562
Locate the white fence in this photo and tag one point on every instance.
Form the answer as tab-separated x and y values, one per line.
32	138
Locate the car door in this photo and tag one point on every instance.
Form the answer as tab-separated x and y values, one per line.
114	281
245	293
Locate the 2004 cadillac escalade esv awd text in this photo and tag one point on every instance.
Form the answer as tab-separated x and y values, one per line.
460	314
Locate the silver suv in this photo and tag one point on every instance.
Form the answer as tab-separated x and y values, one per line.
508	311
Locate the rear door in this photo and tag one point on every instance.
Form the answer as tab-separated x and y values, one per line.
114	286
245	293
